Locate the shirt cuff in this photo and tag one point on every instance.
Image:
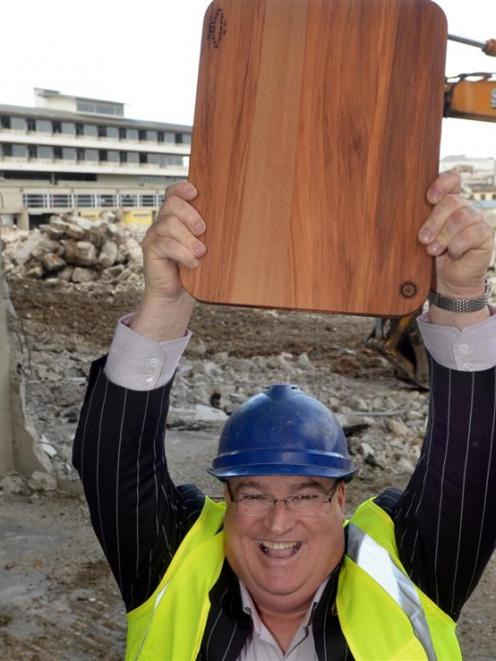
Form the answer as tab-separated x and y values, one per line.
471	349
139	363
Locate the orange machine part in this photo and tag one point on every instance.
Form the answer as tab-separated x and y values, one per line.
473	99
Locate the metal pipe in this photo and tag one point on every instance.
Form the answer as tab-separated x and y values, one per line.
468	42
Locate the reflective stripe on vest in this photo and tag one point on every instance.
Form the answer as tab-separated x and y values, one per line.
377	563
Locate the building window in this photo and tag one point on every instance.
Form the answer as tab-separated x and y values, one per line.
19	151
147	201
85	200
122	157
143	159
61	200
179	138
112	132
132	134
100	108
80	155
68	154
68	128
45	152
170	138
56	127
154	159
102	131
91	155
186	138
106	200
160	136
32	151
173	159
90	130
133	157
79	129
31	125
129	200
113	156
483	196
5	122
43	126
109	109
151	136
18	123
122	133
102	155
57	152
142	134
7	150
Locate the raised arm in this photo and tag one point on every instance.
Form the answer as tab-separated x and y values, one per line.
138	514
444	527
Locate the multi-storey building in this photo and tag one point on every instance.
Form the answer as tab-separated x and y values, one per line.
77	154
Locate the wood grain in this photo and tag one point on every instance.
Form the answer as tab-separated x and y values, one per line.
316	135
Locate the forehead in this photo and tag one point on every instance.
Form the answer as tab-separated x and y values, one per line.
286	483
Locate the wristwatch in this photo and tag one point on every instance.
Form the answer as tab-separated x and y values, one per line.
461	304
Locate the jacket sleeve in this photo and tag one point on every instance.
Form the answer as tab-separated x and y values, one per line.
445	524
139	516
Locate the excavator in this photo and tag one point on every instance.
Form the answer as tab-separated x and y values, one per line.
466	96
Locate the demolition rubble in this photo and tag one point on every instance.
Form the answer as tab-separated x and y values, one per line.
74	250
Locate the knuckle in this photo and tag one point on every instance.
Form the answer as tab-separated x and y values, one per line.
460	217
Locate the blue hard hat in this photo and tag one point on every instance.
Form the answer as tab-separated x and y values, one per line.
282	431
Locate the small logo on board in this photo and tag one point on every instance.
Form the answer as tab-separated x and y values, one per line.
408	289
216	27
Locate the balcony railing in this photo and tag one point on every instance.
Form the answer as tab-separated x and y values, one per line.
91	200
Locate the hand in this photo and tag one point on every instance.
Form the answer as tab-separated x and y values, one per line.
166	308
172	240
459	237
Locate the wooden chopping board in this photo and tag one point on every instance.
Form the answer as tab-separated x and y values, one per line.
316	136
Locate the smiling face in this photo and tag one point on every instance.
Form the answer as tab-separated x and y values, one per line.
282	556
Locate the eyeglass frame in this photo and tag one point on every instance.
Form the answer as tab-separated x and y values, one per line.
287	501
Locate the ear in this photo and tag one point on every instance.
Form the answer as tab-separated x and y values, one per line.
341	495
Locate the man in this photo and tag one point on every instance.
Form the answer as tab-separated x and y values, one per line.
275	575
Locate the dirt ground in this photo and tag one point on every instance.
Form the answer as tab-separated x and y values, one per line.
58	600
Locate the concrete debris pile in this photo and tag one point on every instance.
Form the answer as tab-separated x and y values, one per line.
72	249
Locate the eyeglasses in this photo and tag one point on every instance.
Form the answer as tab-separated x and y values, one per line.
304	504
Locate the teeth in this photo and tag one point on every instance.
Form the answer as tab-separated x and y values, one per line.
278	546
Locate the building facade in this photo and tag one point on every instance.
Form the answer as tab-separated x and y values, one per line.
72	153
478	178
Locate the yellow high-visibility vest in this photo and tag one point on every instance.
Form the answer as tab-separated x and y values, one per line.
383	615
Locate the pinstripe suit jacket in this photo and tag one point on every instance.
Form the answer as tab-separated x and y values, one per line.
444	521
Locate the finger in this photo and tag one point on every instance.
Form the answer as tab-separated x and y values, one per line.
167	248
474	237
446	183
173	228
457	222
183	189
440	213
176	206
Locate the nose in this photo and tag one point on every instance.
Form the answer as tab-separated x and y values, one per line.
279	519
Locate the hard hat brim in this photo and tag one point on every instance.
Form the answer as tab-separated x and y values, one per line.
275	462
